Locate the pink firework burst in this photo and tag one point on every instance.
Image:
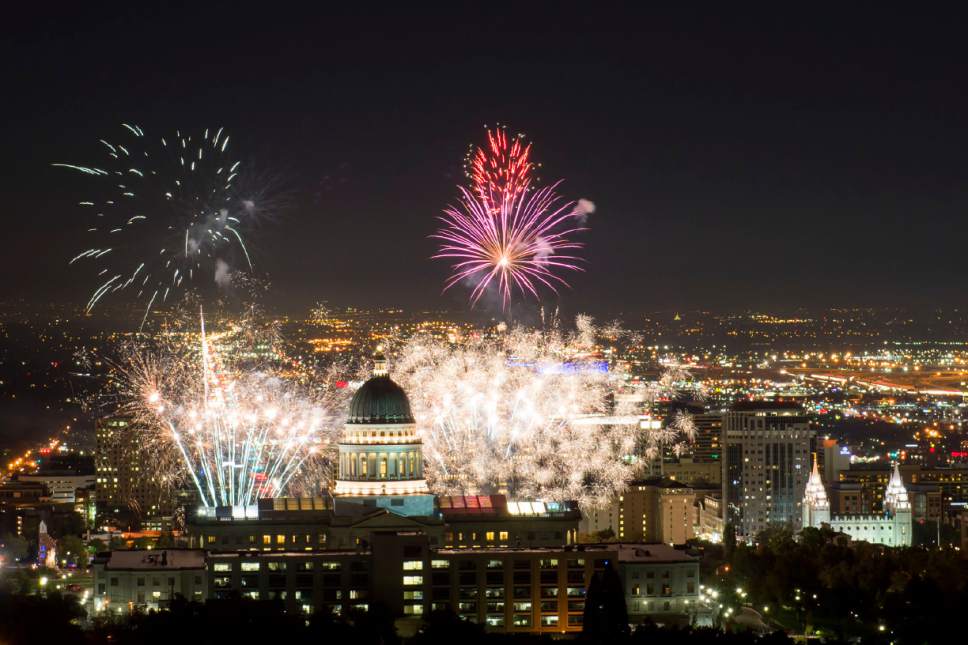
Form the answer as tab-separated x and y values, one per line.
519	244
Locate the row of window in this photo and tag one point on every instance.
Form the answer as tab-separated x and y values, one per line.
665	590
307	565
405	464
279	539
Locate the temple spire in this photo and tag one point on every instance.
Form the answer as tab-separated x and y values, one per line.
815	495
896	495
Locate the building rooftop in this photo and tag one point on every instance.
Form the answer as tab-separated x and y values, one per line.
645	553
154	560
380	401
770	406
469	507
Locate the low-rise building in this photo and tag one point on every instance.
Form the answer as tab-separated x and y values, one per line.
62	485
504	589
129	580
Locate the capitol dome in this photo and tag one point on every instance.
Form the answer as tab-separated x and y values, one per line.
380	455
381	401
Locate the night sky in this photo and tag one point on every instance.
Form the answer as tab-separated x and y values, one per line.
771	160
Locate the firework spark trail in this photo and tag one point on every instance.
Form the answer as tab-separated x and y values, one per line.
517	413
180	196
501	170
236	433
519	247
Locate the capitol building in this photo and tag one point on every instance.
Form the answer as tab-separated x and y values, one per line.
379	536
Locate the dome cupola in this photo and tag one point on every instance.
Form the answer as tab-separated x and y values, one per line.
380	400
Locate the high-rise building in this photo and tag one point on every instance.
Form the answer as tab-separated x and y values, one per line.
709	431
766	465
833	459
125	488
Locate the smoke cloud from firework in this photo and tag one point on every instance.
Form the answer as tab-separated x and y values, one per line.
162	211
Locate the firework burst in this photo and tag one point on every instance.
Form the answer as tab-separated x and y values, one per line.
167	211
237	434
501	170
532	413
519	248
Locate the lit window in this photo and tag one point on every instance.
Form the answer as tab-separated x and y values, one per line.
280	539
219	566
439	564
267	540
489	536
409	581
414	610
412	565
250	566
413	595
503	536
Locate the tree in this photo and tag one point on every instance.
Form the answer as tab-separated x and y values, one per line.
605	535
73	549
729	539
143	542
444	627
32	619
14	547
606	617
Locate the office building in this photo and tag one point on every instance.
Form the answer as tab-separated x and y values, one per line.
126	491
766	465
62	486
707	447
652	510
505	589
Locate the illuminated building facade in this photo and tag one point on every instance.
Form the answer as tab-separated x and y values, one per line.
766	466
505	589
380	456
652	510
892	528
143	580
708	444
123	487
